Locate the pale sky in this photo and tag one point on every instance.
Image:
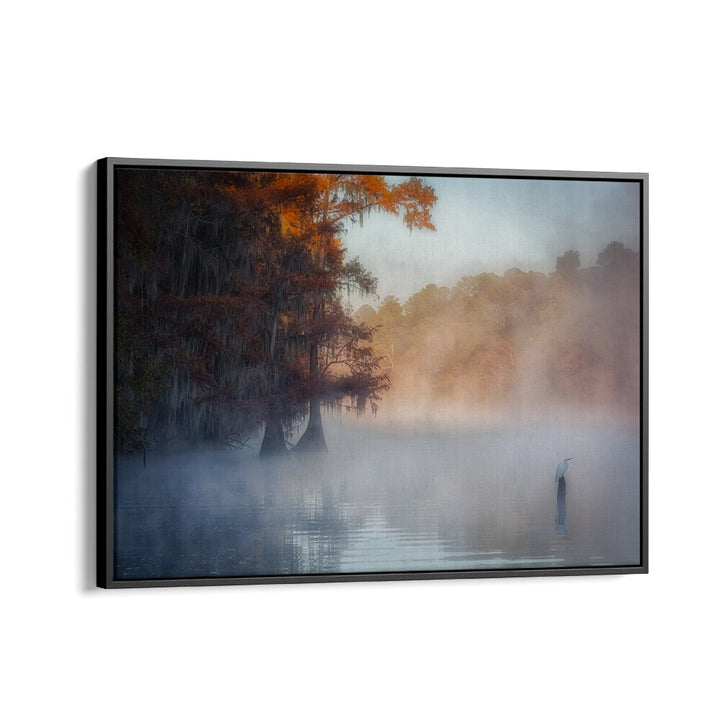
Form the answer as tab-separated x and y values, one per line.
493	224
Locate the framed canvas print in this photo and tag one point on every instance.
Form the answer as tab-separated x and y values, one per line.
326	372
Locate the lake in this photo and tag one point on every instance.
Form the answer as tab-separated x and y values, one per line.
385	499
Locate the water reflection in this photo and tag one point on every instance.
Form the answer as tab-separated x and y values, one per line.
376	502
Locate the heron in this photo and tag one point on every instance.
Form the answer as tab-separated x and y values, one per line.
561	469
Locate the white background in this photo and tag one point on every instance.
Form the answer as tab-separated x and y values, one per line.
617	86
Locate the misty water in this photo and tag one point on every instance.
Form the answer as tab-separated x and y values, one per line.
385	499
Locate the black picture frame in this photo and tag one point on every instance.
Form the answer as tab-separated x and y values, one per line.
114	229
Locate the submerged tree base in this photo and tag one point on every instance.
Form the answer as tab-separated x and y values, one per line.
273	442
313	439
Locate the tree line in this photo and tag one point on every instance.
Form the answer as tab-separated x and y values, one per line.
571	337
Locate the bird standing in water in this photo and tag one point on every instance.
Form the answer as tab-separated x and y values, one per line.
561	469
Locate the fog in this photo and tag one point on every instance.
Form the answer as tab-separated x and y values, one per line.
560	357
492	384
385	498
478	388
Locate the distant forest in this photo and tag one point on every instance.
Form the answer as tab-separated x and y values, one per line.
521	339
231	320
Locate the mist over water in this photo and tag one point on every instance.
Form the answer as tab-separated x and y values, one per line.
386	497
232	322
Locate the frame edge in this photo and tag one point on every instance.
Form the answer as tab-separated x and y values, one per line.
104	327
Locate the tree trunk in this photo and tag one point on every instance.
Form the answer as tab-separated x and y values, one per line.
273	442
313	439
